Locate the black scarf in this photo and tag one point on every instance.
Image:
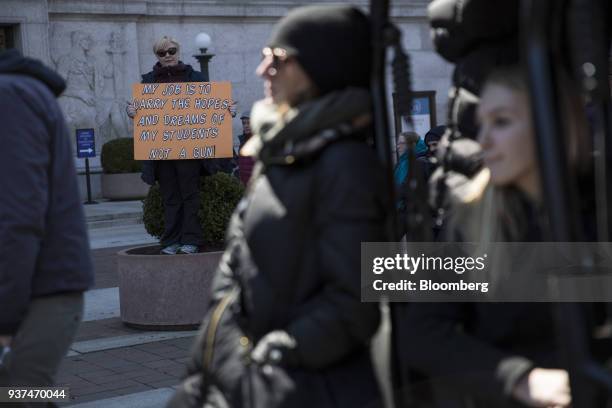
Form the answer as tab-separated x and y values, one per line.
175	73
306	129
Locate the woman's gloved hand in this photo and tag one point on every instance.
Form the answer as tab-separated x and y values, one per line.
276	347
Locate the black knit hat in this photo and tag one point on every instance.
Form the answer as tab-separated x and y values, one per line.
332	44
435	134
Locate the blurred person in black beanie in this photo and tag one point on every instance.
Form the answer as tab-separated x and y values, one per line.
293	245
432	138
332	45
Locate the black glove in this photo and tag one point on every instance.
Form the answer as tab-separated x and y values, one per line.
276	347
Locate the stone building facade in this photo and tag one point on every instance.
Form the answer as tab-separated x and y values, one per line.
102	46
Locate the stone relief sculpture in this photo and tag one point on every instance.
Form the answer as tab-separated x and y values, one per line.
112	118
78	67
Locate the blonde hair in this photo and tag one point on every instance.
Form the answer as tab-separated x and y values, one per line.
164	43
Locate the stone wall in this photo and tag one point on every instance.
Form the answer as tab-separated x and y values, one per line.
103	46
30	22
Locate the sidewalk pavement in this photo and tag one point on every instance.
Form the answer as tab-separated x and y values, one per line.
116	223
109	364
121	371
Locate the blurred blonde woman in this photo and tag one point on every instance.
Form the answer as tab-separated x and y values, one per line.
499	354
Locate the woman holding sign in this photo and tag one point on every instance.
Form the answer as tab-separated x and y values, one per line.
179	180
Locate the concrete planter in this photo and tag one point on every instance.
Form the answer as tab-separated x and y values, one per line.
164	292
124	186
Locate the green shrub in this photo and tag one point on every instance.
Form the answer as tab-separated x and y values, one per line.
118	157
219	195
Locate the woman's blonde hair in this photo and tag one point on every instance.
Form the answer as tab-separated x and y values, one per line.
164	43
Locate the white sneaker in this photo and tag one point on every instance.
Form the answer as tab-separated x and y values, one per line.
188	249
170	249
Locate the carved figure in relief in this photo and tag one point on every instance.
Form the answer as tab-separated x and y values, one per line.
112	120
79	69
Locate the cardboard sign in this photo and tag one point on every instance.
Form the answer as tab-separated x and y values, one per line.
182	121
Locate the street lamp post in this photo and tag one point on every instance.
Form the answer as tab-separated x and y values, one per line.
203	42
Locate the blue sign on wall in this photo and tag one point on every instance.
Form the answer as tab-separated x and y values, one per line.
420	105
86	143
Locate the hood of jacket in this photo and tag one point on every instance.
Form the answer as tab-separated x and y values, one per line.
12	62
306	128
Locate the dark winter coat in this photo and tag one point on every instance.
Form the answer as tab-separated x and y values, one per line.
44	248
159	74
294	244
481	350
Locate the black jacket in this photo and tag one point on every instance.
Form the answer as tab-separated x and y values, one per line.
294	249
44	248
481	350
